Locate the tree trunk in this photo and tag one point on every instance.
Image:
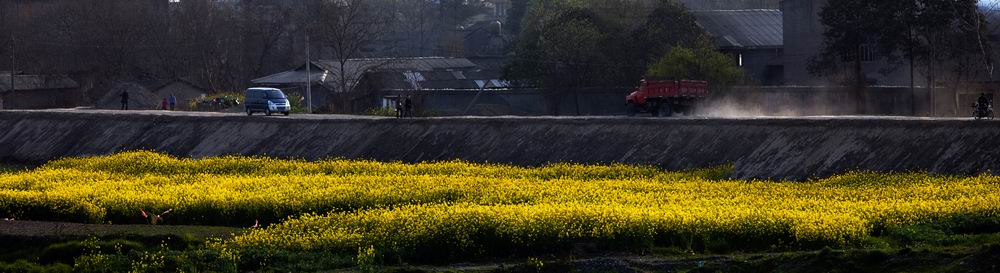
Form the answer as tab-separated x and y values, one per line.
554	99
931	81
913	92
909	56
343	87
859	83
576	101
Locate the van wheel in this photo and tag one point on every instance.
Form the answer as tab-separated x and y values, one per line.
249	113
286	113
267	112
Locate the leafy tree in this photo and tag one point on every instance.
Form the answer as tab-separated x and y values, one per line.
944	30
702	63
567	45
930	31
515	15
849	25
562	55
935	32
669	25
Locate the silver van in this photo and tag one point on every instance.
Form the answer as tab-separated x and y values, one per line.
267	101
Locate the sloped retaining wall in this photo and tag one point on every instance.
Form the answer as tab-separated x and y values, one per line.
759	148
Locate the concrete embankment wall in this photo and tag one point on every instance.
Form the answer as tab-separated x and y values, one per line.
759	148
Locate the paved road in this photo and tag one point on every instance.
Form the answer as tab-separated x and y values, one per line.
187	114
17	228
342	117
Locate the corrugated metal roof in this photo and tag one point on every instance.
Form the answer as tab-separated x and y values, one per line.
756	28
37	82
326	71
436	80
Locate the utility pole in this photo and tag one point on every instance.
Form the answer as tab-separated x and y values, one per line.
909	53
13	52
305	29
309	96
13	66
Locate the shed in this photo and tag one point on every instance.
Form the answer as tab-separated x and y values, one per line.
39	91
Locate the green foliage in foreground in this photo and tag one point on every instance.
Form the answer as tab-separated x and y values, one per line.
946	253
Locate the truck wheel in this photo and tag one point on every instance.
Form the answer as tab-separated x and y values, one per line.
667	110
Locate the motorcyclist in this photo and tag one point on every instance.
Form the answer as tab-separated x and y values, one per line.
983	106
983	100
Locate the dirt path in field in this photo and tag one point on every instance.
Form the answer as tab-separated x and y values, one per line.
783	148
36	229
950	259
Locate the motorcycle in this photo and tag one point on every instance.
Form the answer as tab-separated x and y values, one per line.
982	111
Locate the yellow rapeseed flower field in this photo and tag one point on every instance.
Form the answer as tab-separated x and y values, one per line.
347	205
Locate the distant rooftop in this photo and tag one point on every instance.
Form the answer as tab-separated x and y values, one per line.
327	71
755	28
36	82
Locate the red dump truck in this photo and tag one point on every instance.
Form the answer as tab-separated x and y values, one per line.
664	98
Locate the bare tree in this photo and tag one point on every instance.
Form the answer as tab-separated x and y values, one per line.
6	29
416	22
102	36
221	46
349	28
263	28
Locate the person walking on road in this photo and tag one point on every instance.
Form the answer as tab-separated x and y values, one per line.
124	96
408	105
399	106
173	101
164	104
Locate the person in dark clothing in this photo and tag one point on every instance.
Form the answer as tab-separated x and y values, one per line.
408	105
124	96
983	100
399	107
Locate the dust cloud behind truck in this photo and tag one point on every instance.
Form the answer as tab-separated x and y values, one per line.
665	98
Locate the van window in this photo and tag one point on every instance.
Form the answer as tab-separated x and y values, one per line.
275	94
